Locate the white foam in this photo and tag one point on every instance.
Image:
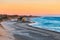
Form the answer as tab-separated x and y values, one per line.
33	23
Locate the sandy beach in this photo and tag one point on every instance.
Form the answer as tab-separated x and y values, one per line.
29	19
39	34
22	31
4	35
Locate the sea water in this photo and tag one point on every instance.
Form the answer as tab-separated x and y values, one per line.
48	23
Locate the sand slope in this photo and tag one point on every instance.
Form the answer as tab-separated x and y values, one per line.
4	35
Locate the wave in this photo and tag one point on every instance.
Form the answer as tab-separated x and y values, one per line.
49	23
33	23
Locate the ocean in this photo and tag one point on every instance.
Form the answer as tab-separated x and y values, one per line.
48	23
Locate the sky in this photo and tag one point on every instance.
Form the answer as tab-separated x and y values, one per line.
30	7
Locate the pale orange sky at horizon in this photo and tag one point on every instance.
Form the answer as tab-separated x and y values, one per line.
30	7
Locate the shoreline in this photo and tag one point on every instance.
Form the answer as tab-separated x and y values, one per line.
55	35
26	32
43	29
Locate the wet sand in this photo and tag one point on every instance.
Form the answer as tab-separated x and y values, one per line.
22	31
36	33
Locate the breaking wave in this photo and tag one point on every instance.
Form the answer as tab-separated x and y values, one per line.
49	23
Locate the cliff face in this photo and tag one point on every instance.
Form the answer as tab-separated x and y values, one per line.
5	35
